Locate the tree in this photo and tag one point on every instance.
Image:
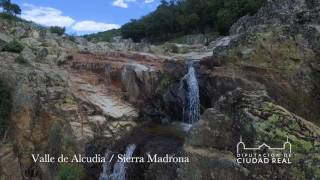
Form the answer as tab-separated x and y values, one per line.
5	4
58	30
15	9
10	8
134	30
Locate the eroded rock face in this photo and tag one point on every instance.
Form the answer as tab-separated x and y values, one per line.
101	111
276	50
139	81
37	95
136	74
255	117
274	13
150	82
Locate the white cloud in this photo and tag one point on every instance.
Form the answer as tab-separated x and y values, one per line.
93	26
122	3
46	16
148	1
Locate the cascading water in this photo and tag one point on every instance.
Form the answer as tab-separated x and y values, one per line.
191	111
193	95
119	168
106	168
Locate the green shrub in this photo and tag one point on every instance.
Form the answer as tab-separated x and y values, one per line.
13	46
71	172
20	60
5	108
58	30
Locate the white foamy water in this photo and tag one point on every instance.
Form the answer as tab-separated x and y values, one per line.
192	108
119	168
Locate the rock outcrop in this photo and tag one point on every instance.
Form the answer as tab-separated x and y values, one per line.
254	117
276	50
136	74
38	95
101	110
53	111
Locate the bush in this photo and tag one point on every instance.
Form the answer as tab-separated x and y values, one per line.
20	60
13	46
5	108
71	172
58	30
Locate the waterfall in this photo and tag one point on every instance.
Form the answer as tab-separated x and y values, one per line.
119	168
192	108
106	168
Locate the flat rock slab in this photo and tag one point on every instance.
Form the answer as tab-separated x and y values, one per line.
109	104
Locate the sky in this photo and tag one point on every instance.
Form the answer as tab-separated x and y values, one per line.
85	17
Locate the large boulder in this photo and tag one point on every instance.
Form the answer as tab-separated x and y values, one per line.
138	80
215	125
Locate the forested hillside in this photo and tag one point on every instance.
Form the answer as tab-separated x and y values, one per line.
176	18
179	17
103	36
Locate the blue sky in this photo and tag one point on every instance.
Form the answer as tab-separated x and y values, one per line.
82	17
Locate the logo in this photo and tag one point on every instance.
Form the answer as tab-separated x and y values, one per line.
264	154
